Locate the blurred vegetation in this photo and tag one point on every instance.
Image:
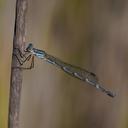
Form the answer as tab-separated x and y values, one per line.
5	60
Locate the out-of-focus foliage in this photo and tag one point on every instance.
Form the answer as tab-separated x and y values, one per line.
5	58
1	4
3	89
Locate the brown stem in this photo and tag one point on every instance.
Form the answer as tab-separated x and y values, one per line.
16	73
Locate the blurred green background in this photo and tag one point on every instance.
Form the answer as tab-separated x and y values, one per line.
92	34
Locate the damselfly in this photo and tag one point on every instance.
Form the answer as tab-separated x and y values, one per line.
74	71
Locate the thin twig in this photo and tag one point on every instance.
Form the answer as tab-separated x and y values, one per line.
16	73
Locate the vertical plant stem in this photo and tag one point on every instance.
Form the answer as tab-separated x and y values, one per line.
16	73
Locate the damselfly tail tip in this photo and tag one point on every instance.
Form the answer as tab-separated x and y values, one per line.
111	94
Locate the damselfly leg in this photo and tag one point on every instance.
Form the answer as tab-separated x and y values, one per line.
22	58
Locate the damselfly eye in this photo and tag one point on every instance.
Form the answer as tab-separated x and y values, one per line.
29	47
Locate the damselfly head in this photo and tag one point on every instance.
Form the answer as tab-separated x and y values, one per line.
29	47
